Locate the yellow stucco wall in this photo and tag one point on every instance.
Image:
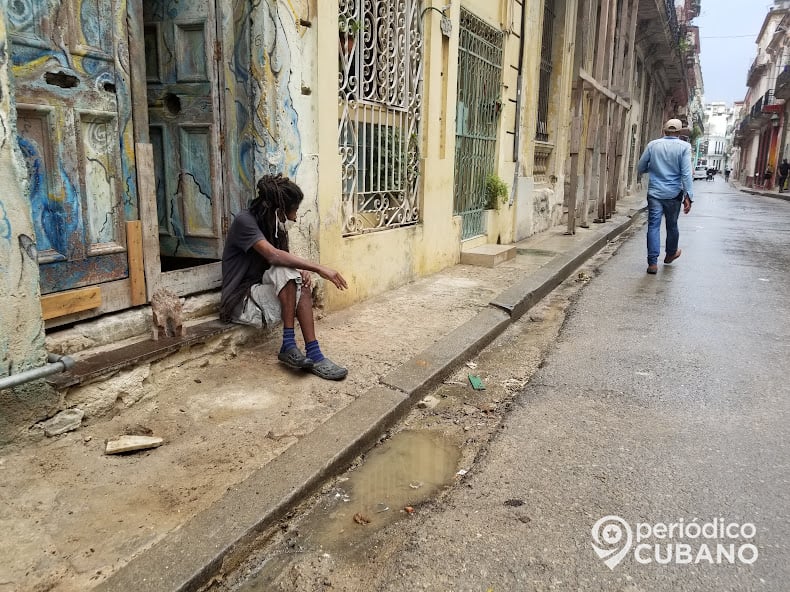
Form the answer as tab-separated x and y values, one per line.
377	261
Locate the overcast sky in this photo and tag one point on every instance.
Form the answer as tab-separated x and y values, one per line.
728	30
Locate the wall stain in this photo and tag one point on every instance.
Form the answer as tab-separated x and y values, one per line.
5	223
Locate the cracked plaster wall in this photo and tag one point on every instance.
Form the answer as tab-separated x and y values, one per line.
22	337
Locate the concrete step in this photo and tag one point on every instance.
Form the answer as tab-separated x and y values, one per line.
105	363
488	255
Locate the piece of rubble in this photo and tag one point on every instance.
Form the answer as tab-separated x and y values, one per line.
428	402
132	443
65	421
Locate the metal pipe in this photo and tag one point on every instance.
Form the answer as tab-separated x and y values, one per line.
56	364
519	83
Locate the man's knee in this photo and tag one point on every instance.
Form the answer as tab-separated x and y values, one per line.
306	298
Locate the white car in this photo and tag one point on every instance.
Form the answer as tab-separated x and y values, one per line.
700	172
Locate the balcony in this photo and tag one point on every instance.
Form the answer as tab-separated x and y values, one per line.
672	18
692	8
782	90
755	72
766	104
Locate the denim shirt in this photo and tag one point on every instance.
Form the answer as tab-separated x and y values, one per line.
668	160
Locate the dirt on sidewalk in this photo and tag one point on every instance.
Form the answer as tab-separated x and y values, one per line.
72	515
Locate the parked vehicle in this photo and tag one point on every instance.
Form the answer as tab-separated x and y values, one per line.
700	172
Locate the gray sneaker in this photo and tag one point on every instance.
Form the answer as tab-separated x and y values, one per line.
294	358
328	370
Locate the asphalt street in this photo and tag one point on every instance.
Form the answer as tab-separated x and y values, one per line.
664	402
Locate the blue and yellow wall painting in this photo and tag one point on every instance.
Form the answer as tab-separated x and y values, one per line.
275	69
22	334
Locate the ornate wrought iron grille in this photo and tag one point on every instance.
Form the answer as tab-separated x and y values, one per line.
477	118
380	45
546	66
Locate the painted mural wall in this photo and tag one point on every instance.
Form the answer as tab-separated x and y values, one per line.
22	337
282	71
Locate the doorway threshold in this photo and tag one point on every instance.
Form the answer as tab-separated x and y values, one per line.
106	363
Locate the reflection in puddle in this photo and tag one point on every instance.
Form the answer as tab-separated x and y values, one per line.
403	472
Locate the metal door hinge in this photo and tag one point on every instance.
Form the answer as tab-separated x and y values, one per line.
217	51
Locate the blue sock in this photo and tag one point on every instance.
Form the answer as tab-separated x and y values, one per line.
289	339
313	351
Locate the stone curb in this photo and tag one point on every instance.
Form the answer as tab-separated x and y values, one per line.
766	194
418	375
187	558
519	298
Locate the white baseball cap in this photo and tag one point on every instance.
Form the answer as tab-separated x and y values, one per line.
675	125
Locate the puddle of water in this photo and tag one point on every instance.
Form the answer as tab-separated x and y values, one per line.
408	469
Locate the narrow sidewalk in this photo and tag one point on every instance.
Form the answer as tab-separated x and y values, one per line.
245	438
785	195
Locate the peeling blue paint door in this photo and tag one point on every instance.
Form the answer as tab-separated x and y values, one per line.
73	125
183	94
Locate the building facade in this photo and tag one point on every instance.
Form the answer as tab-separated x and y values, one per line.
759	134
715	139
132	131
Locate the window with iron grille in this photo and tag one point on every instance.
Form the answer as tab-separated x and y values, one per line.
380	104
546	66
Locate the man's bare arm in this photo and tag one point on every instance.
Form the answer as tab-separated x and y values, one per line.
278	257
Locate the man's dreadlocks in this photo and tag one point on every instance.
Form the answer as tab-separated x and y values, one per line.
275	193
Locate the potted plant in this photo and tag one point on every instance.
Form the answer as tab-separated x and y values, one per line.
348	28
496	192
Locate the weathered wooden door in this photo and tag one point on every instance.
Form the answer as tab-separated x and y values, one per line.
183	91
66	57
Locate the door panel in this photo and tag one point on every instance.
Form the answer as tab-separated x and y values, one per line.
477	119
64	56
184	131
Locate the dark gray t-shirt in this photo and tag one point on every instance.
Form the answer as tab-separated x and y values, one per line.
242	266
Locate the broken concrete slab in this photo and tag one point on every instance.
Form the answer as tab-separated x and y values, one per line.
65	421
132	443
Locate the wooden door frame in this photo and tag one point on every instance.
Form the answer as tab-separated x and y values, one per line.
202	277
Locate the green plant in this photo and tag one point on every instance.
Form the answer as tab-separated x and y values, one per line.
497	191
695	134
349	26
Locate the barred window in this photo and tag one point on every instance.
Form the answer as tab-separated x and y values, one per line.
380	103
546	66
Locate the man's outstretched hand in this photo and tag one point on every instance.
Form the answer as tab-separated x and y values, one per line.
334	277
686	205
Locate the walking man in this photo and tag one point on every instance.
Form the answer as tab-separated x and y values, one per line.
784	172
668	161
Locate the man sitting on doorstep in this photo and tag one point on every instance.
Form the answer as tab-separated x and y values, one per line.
263	283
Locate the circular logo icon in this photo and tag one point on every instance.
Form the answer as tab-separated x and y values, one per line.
612	538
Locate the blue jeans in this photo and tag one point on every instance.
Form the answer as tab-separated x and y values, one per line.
670	209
